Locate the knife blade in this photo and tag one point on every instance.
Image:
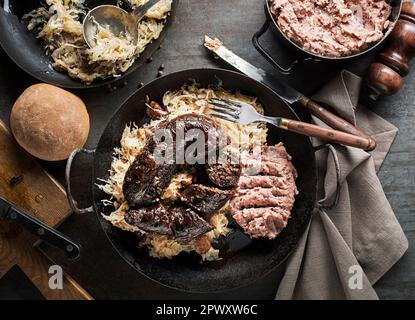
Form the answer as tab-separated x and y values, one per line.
12	214
283	90
4	208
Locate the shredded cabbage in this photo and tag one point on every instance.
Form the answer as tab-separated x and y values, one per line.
190	98
60	27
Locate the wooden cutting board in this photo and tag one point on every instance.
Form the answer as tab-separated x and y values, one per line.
40	194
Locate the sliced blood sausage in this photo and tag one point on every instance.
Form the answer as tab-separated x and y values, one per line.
204	199
146	179
225	175
177	223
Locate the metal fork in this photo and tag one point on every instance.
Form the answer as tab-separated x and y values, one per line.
243	113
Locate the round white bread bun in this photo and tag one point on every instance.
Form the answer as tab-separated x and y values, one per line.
49	122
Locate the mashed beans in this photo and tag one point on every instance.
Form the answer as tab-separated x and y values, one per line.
332	27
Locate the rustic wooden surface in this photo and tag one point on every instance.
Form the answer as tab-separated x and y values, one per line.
37	193
17	250
101	271
41	195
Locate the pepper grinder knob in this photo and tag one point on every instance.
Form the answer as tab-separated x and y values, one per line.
385	74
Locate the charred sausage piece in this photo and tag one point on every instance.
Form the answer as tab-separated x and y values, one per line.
146	180
225	175
154	219
204	199
191	225
179	224
193	121
212	133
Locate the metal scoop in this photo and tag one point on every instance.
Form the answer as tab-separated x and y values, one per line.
118	20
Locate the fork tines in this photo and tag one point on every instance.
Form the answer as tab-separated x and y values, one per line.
226	109
229	104
224	117
226	112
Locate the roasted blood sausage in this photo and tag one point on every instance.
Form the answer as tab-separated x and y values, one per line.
199	123
146	179
225	175
205	200
177	223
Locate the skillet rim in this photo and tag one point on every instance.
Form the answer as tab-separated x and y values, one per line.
103	223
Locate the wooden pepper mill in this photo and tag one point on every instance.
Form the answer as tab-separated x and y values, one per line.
392	64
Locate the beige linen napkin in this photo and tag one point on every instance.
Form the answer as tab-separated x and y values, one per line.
348	248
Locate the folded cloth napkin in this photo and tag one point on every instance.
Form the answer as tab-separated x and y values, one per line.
346	249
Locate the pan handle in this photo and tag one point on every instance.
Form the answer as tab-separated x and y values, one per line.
283	69
255	40
13	214
332	152
71	200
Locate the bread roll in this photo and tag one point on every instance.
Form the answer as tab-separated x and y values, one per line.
49	122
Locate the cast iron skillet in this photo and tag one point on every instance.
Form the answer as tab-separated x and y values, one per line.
255	258
302	55
27	51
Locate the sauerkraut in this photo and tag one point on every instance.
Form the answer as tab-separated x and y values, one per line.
60	27
191	98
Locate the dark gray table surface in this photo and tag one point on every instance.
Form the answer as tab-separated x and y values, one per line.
101	271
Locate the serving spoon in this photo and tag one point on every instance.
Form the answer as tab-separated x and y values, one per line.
117	19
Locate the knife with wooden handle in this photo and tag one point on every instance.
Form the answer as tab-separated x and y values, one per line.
284	91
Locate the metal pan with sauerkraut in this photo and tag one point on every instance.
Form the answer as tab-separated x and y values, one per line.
200	226
58	24
186	205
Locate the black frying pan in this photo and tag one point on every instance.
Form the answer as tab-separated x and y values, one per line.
302	55
255	258
27	51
